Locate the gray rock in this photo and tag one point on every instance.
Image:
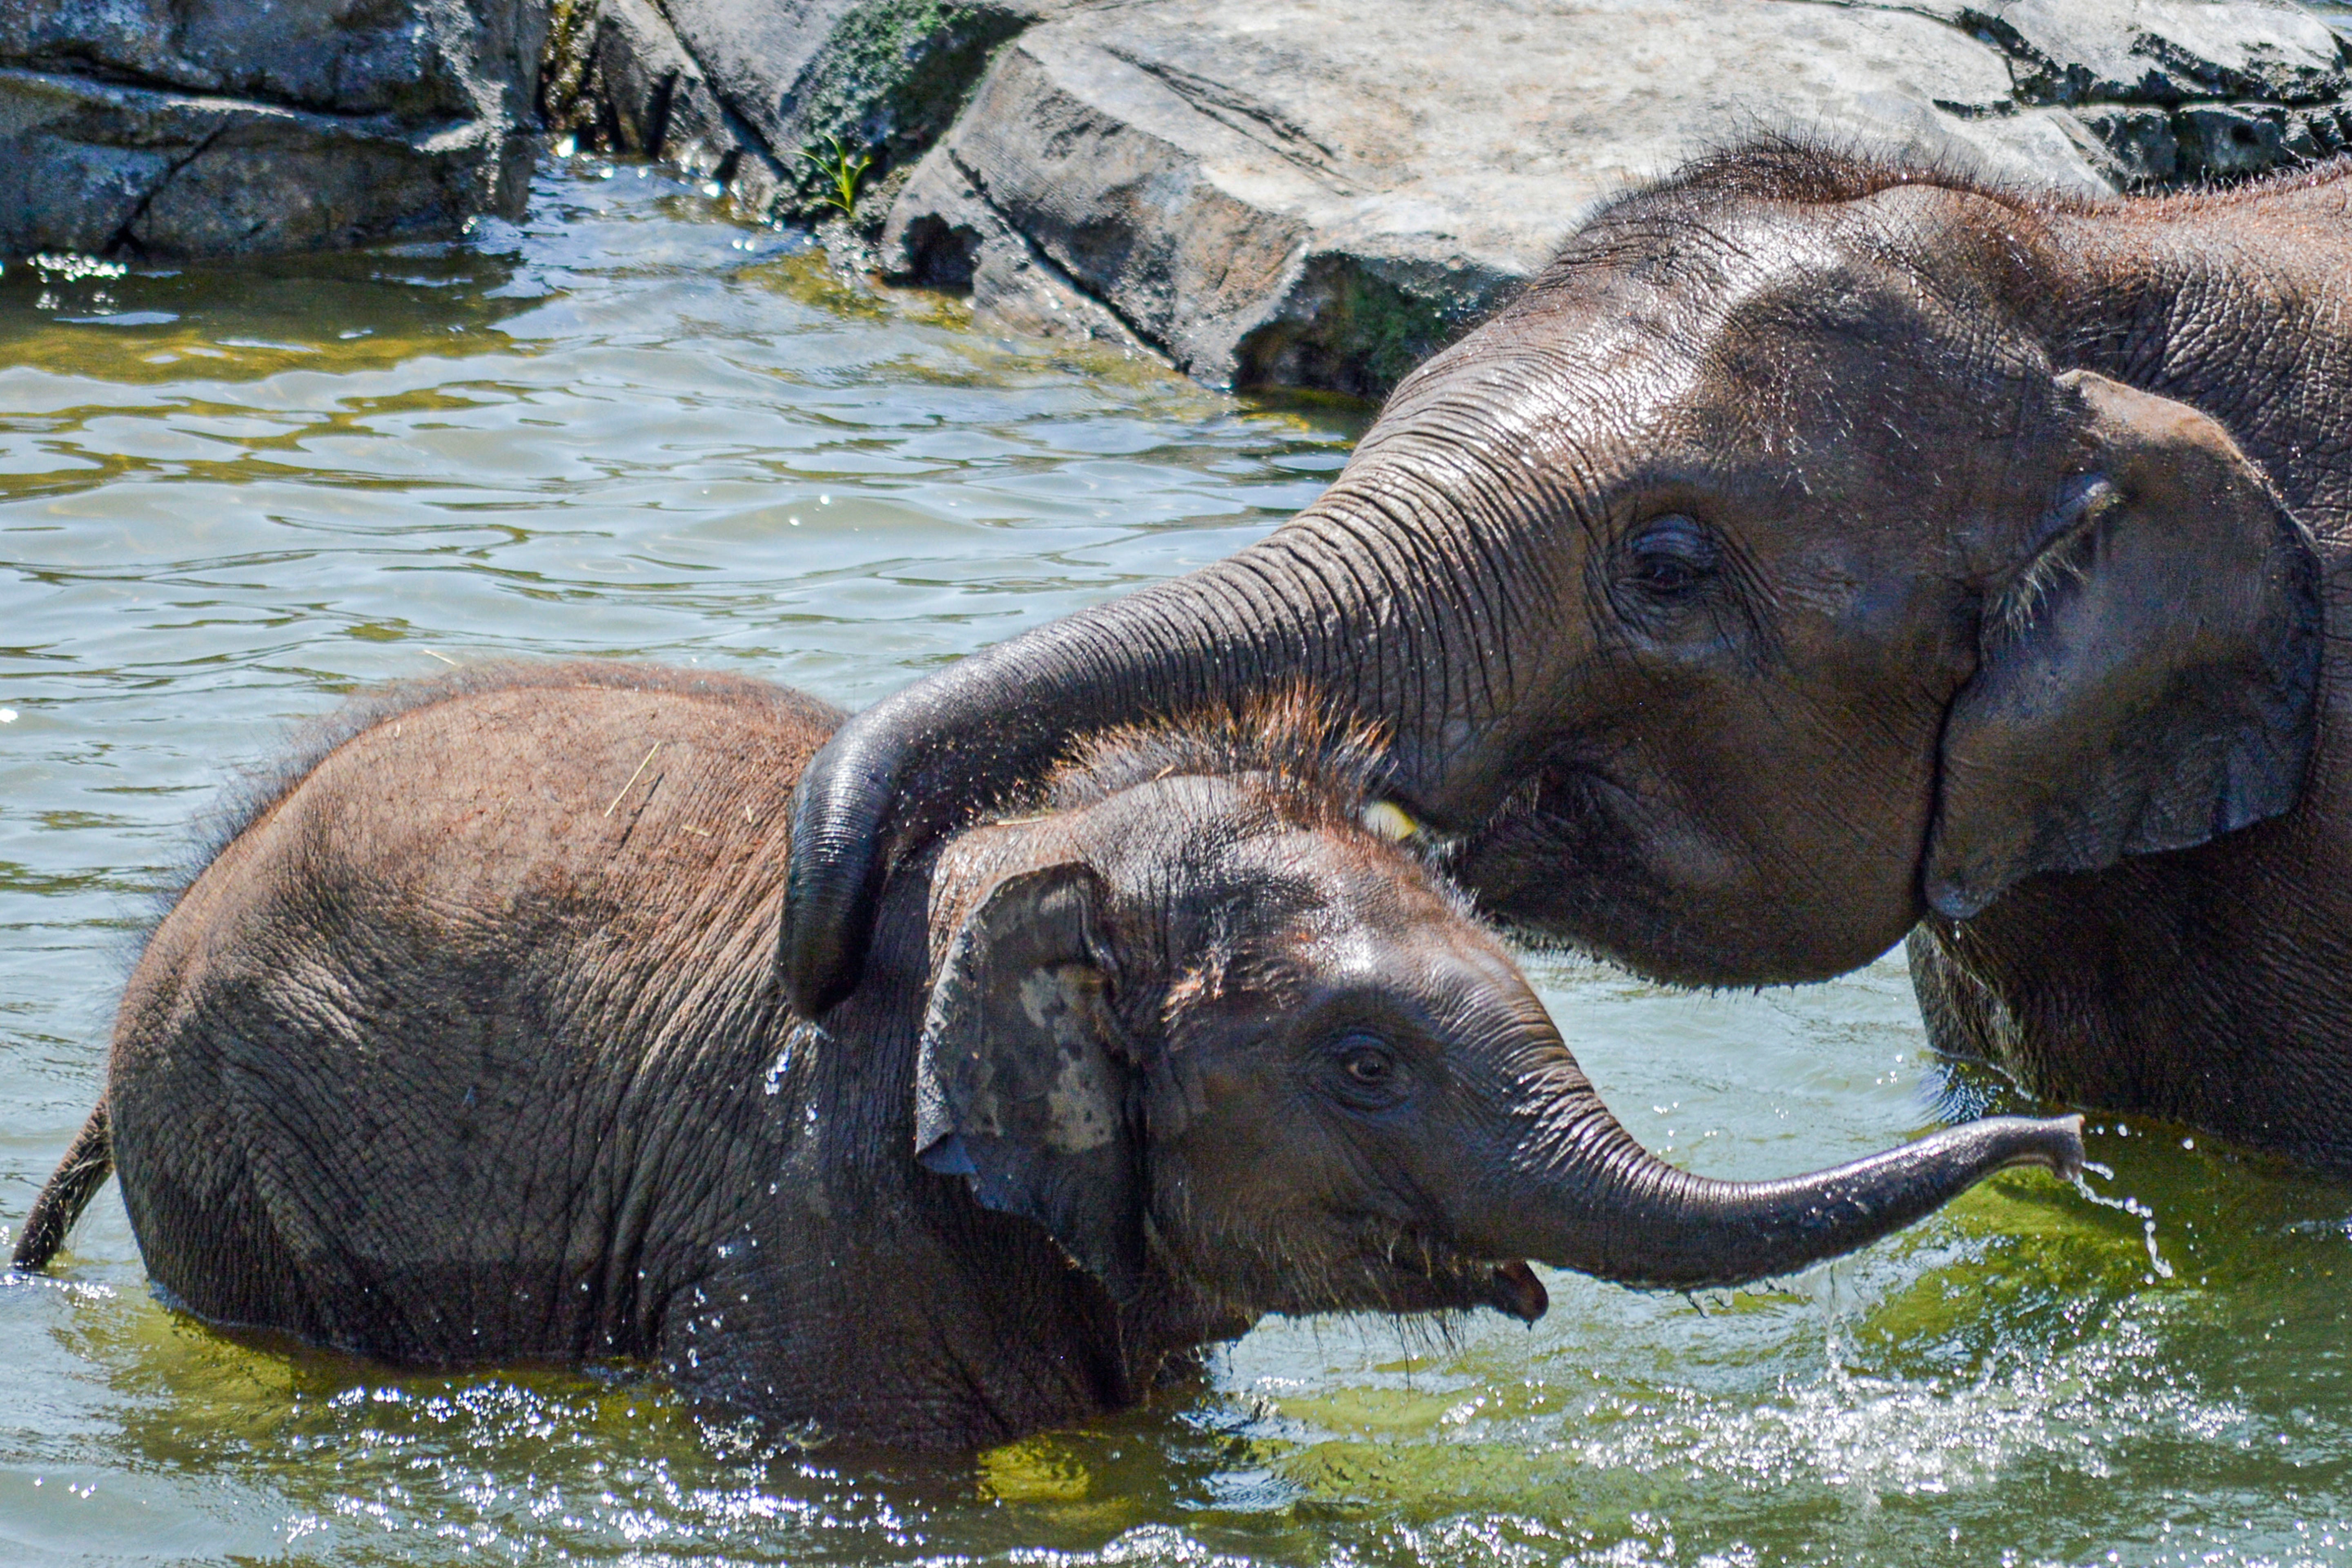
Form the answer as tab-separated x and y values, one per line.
1311	192
192	128
765	96
189	128
2154	51
2192	57
958	238
621	71
1321	192
106	170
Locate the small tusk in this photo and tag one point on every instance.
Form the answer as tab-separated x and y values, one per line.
1387	819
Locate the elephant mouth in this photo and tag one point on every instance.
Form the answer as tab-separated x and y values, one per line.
1457	1280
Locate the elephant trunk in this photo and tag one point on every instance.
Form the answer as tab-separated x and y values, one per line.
1603	1205
1284	612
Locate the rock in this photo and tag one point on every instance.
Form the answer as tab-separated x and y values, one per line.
1306	192
955	238
619	72
193	128
767	96
2156	51
2190	58
1320	192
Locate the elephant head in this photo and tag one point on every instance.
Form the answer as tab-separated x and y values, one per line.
1216	1036
1759	579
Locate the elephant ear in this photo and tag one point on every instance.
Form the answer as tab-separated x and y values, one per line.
2146	681
1023	1083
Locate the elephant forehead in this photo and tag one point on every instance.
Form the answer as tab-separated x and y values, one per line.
1381	918
1609	354
1422	951
1574	416
1540	391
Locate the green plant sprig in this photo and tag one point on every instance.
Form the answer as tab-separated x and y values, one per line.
839	167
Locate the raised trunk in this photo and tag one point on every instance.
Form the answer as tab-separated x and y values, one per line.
1608	1207
916	763
906	770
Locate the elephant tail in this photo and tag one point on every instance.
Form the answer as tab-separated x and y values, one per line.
77	1178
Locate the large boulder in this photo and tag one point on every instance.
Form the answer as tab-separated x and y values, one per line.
1320	191
192	127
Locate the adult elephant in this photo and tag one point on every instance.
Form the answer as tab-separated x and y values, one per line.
1819	548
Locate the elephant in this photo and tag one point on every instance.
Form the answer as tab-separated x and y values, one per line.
468	1046
1823	552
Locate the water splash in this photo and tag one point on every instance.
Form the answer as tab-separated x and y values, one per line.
2127	1204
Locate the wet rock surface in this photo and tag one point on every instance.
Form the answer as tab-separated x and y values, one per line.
192	127
1317	193
1311	193
767	100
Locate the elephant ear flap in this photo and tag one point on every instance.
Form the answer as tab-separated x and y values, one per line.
2146	681
1022	1080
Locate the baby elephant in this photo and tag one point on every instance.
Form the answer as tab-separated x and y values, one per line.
470	1047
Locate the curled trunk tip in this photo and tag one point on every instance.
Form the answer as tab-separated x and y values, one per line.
1650	1225
2055	1143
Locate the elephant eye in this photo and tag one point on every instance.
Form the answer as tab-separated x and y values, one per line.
1366	1070
1672	556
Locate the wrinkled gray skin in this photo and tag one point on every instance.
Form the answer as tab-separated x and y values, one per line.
1819	549
469	1047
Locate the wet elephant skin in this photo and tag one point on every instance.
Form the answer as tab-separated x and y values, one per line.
1822	551
468	1046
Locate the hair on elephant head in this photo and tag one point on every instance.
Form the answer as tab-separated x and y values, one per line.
1211	1028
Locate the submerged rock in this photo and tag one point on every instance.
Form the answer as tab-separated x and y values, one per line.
1320	192
191	128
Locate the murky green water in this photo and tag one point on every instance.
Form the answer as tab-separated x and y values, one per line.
226	499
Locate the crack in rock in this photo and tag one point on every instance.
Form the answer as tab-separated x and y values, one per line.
123	237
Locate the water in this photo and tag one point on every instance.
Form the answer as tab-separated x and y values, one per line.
629	429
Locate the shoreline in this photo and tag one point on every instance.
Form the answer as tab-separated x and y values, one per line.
1309	194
